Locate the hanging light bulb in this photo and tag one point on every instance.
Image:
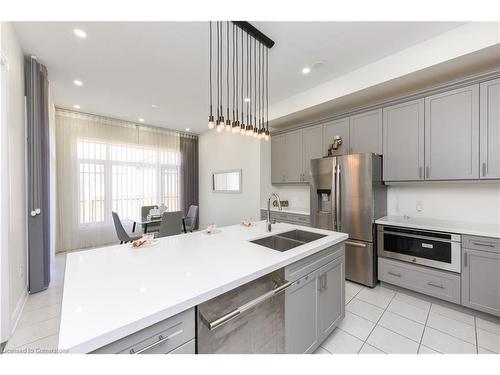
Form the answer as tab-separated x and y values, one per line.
266	135
211	123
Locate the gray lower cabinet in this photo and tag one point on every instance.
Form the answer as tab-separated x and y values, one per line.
489	129
403	131
365	133
161	338
331	297
287	217
437	283
314	304
187	348
452	135
312	148
301	315
481	274
332	129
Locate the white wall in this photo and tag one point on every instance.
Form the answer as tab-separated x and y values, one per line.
17	182
457	42
473	202
227	151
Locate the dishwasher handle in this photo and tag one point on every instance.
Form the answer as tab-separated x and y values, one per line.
247	306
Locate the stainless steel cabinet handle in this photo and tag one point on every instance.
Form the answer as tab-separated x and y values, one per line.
394	274
465	259
325	281
484	169
161	340
419	172
427	173
483	244
435	285
357	244
337	197
247	306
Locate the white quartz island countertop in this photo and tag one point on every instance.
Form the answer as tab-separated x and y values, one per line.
114	291
460	227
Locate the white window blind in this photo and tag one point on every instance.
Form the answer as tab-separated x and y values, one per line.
107	165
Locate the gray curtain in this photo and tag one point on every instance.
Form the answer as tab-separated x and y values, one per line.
189	173
37	117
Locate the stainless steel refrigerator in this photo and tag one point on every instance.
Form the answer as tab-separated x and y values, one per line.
348	195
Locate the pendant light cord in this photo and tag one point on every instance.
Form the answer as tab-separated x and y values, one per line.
210	69
267	90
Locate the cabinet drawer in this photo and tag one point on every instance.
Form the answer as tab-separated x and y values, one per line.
436	283
160	338
313	262
187	348
481	243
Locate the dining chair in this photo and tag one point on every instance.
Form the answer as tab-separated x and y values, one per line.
121	233
170	224
191	217
153	227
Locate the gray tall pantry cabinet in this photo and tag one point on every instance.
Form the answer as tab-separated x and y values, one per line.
489	129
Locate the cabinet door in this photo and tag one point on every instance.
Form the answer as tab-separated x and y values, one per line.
330	130
452	135
366	133
481	281
301	315
312	148
293	161
489	129
331	302
403	133
278	155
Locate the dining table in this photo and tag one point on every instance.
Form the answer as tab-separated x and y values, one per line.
152	220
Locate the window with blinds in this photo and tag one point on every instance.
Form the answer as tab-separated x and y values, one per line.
123	178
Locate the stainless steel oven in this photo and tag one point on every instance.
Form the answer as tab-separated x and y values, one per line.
428	248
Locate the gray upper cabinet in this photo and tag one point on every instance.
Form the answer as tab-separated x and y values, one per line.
481	275
286	158
278	162
403	144
365	133
330	130
312	148
294	172
489	131
452	135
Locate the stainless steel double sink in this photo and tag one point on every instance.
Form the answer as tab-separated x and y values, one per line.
288	240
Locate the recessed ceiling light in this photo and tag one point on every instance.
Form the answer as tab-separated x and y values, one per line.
78	82
76	106
306	70
187	129
141	120
154	106
80	33
247	100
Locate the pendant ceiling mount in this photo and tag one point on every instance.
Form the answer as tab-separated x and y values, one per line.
241	70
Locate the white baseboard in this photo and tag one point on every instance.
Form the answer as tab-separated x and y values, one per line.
16	314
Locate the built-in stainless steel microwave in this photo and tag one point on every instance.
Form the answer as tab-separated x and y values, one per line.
433	249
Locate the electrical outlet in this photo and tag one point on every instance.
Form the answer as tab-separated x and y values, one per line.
420	206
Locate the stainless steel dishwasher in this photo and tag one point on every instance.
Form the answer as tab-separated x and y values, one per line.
248	319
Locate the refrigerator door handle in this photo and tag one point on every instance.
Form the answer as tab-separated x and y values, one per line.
337	197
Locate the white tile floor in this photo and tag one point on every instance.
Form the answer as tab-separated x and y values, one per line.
378	320
383	320
38	328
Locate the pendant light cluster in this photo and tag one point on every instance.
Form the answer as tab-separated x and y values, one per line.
239	64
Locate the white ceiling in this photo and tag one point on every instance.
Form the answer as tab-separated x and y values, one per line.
128	66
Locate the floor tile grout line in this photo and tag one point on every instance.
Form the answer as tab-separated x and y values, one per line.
31	342
475	331
23	326
376	324
425	325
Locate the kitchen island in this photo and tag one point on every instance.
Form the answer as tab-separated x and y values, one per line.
112	292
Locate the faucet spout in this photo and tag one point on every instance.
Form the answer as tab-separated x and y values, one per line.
268	217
